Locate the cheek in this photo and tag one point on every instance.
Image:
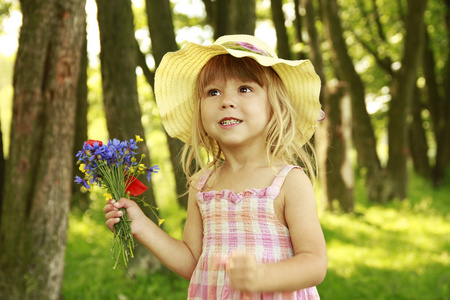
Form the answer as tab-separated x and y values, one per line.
203	114
268	110
204	118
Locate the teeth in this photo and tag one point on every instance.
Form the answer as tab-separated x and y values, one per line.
230	122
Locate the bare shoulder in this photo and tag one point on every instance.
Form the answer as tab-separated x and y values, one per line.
297	182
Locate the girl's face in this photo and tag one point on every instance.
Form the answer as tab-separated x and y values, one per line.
235	112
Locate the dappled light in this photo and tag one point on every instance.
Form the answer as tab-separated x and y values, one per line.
383	183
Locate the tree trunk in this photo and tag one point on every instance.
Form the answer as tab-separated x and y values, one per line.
231	16
2	171
402	88
80	200
417	138
335	171
339	170
221	17
162	34
437	95
298	26
242	17
362	130
39	168
283	48
123	114
443	157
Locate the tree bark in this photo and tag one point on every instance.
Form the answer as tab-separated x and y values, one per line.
39	168
162	35
362	130
417	138
444	155
231	16
221	18
283	48
123	114
333	136
437	95
339	171
402	87
80	200
298	27
2	172
242	17
162	31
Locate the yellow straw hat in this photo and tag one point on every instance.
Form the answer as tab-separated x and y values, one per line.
176	77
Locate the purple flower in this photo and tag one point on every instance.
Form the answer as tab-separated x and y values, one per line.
253	48
98	158
243	46
151	170
80	180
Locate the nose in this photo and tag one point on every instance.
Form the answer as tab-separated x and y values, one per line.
228	101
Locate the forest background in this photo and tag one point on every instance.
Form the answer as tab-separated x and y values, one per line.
383	150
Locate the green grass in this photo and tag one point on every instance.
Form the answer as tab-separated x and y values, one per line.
89	274
396	251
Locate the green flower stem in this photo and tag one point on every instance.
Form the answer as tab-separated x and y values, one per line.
123	244
123	241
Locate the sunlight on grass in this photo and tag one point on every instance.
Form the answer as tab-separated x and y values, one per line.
400	250
89	274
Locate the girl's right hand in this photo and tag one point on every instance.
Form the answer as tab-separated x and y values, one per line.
113	213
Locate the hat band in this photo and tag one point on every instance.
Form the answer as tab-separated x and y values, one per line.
243	46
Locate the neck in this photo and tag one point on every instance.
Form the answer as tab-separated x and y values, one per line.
250	160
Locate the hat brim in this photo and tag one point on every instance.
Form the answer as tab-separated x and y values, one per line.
177	74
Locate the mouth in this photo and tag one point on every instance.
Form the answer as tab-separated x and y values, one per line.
229	121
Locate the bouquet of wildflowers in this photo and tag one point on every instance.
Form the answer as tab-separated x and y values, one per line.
115	168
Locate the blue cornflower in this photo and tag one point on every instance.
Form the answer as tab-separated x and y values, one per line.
151	170
80	180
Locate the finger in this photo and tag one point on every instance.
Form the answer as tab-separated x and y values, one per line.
240	258
114	214
238	254
111	222
109	207
125	203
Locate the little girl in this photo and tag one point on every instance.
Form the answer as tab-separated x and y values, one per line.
252	229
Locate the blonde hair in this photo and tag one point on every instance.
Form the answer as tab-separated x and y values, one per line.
283	137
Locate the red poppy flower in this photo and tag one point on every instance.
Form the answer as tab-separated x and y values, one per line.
92	142
135	186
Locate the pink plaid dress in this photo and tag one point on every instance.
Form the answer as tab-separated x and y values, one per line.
247	222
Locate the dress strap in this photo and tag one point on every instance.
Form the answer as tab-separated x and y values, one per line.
203	179
279	180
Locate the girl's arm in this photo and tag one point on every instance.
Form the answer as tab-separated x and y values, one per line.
179	256
308	267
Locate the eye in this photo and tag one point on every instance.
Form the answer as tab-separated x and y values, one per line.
245	89
213	92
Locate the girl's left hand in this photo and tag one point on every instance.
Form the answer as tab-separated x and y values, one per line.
244	272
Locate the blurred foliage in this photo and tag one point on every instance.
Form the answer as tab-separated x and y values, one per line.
5	10
435	20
